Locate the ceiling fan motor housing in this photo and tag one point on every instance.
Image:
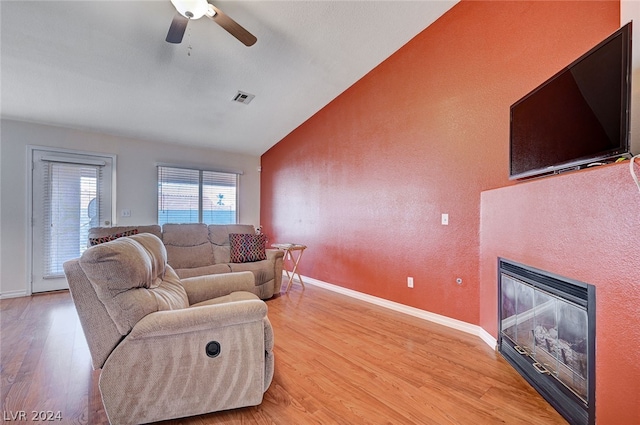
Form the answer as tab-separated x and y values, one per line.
193	9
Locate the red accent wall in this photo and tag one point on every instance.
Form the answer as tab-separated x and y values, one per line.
364	181
585	226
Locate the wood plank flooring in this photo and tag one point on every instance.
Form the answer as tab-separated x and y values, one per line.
338	361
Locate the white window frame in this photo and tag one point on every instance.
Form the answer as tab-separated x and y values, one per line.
200	169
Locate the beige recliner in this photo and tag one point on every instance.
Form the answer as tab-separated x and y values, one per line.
169	348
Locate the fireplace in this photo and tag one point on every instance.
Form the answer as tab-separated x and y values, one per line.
547	333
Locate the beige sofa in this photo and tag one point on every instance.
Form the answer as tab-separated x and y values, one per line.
169	347
198	249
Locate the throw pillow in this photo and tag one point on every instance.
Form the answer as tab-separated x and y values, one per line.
109	238
247	247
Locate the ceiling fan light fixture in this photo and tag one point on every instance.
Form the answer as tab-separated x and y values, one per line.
196	9
191	9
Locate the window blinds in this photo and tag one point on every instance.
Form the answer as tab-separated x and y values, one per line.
196	196
72	205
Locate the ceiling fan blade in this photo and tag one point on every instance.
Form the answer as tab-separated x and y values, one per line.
233	28
177	29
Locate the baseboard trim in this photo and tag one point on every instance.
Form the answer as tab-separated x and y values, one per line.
412	311
13	294
488	338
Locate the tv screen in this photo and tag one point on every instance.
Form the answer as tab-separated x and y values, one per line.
577	117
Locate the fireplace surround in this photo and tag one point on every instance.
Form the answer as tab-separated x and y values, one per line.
547	333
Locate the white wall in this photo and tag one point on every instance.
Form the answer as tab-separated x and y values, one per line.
136	183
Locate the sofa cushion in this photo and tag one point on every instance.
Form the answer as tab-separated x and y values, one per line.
187	257
132	279
219	238
262	270
247	247
112	237
232	297
188	234
219	233
187	245
201	271
221	254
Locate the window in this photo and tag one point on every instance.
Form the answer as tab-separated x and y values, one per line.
196	196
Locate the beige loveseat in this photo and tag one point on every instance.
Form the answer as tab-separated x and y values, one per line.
169	348
198	249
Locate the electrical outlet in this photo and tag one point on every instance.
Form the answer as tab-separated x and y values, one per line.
125	213
410	282
445	219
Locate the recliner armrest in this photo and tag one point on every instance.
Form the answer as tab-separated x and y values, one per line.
175	322
202	288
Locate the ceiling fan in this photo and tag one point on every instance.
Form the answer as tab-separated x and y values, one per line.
196	9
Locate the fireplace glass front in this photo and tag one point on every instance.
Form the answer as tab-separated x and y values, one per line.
547	332
552	331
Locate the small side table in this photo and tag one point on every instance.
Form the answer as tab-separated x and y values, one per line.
289	250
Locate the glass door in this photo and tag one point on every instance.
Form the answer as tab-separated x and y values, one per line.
70	194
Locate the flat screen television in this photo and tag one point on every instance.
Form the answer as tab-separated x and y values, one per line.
578	117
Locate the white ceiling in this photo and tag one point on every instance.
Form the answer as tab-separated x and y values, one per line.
105	66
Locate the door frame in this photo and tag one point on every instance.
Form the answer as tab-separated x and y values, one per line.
30	220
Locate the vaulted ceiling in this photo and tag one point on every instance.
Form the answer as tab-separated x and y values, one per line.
105	66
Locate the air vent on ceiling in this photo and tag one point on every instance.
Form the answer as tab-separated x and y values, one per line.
243	97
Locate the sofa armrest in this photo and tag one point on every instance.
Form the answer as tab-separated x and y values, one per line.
188	320
277	256
274	254
202	288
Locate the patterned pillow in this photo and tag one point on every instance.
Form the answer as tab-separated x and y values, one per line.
109	238
246	247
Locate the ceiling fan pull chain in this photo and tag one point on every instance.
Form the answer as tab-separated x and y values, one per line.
189	48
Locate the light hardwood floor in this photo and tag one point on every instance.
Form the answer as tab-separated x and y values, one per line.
338	361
